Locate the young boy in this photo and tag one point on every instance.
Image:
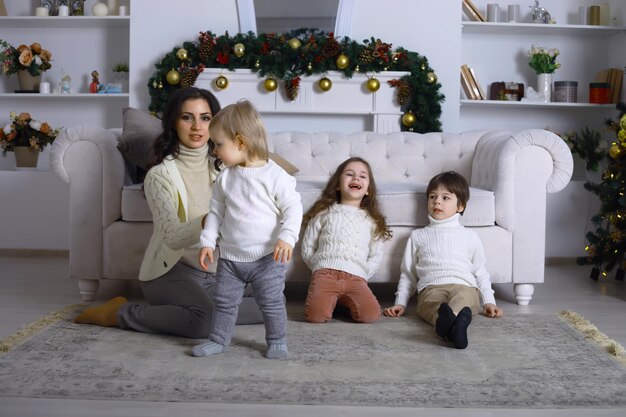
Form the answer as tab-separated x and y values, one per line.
445	263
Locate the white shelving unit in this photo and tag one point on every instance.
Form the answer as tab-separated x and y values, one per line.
498	52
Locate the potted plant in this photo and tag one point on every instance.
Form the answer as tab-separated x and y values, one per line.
28	62
120	75
26	137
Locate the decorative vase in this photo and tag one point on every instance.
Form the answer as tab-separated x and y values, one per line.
25	157
121	77
28	82
544	86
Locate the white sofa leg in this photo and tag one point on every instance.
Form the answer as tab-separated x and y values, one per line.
523	293
88	288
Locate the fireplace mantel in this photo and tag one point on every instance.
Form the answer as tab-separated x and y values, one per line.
347	106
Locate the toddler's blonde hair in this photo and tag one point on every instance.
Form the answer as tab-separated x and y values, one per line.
244	121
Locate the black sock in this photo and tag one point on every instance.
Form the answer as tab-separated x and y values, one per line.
445	321
459	329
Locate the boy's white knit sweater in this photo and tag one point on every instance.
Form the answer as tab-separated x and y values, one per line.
444	252
342	238
251	209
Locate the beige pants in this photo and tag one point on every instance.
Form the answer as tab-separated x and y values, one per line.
457	296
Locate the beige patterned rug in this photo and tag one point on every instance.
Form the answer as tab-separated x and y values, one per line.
518	361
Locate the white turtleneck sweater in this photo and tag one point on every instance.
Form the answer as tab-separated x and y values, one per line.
251	209
342	238
444	252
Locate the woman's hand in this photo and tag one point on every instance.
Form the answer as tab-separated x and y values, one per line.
395	311
204	254
282	252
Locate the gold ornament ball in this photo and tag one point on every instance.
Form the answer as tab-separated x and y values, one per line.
173	77
342	61
615	151
408	119
160	86
621	135
181	54
431	78
357	68
221	82
325	84
294	43
309	67
270	84
373	85
239	49
622	122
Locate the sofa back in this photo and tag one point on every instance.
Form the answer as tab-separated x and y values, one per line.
394	157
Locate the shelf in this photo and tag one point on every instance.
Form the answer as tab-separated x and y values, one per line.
531	105
540	29
80	96
70	22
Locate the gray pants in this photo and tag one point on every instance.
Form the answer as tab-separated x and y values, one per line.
180	303
267	278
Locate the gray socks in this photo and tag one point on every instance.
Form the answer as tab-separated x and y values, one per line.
207	349
274	351
277	351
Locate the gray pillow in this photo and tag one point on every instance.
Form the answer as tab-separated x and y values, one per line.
140	130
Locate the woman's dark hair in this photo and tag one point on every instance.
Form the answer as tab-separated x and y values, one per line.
168	143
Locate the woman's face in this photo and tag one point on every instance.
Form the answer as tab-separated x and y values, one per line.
193	123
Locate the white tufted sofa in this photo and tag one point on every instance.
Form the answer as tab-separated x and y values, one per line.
509	175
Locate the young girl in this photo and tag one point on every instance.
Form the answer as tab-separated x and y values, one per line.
445	263
342	245
255	215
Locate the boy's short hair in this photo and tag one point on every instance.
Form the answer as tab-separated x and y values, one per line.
453	182
243	119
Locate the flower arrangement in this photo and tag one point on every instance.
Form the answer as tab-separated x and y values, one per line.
33	58
23	130
543	60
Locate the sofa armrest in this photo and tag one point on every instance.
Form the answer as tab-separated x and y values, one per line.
520	169
87	158
512	164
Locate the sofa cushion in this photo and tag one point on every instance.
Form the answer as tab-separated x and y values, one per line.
404	204
139	132
134	205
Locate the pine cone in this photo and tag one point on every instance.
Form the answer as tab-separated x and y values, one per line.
188	79
206	50
366	57
293	88
330	48
403	93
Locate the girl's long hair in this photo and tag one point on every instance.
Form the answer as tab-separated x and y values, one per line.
168	142
369	203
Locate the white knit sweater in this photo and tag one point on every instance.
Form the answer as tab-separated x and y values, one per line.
251	209
342	238
444	252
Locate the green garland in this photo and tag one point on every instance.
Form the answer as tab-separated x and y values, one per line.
304	52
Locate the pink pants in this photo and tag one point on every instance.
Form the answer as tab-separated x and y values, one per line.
330	287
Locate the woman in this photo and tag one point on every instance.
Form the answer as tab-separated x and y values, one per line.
178	191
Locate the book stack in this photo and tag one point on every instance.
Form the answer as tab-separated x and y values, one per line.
614	77
471	86
472	12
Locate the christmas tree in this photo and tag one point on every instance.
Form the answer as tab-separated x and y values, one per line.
606	249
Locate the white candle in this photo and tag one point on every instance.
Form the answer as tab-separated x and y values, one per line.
41	11
122	10
64	10
44	88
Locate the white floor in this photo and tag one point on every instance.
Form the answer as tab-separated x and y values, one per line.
31	287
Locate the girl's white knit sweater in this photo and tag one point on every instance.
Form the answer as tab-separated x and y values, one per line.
444	252
342	238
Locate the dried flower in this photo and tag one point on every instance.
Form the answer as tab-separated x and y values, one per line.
33	58
23	130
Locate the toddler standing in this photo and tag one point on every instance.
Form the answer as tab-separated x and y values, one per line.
255	215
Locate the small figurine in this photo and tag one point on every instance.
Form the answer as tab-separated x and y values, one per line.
66	84
540	14
95	83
